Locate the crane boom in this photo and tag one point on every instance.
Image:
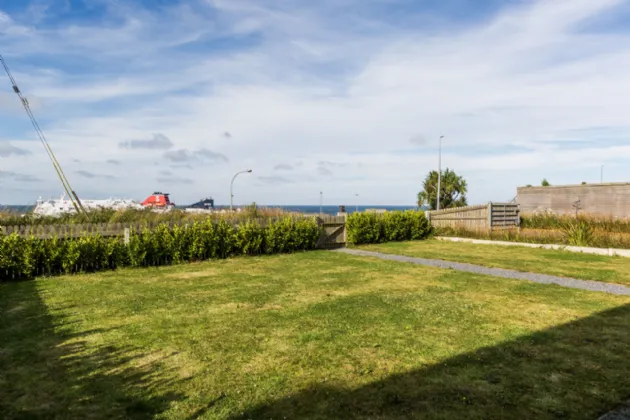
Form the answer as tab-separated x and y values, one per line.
62	177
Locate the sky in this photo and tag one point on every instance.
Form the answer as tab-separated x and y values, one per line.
346	97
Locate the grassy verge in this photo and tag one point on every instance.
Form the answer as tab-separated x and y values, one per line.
554	262
596	238
311	336
551	221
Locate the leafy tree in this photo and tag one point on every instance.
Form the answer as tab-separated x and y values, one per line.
545	183
453	189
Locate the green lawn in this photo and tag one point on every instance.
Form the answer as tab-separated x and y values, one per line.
535	260
314	335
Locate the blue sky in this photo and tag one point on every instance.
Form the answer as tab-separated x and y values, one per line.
342	96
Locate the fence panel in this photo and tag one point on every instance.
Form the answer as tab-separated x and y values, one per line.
505	215
480	217
470	217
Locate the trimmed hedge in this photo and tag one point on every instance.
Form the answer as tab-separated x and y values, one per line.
372	228
23	258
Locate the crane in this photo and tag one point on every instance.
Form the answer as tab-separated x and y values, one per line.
62	177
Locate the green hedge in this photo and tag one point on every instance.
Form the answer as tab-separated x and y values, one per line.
22	258
373	228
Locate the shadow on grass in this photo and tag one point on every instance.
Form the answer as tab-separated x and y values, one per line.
578	370
47	371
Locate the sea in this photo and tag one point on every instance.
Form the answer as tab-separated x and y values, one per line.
332	210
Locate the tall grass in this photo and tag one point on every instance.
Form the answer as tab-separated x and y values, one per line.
596	222
574	235
9	218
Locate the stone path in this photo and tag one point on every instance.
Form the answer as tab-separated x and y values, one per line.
594	286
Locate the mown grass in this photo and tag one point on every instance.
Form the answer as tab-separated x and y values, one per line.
535	260
316	335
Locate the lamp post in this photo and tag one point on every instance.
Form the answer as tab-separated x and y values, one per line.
439	172
357	203
232	186
321	202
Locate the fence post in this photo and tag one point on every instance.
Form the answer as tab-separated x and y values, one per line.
126	236
490	215
345	229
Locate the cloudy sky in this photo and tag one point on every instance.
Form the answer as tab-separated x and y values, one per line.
341	96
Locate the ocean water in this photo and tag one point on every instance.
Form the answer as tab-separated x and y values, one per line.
334	209
293	208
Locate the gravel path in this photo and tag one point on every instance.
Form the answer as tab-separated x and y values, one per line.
594	286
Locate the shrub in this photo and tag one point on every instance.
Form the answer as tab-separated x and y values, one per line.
372	228
578	233
22	258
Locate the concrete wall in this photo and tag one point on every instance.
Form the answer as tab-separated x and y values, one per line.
612	199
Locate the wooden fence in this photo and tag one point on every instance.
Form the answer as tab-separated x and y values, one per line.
481	217
333	229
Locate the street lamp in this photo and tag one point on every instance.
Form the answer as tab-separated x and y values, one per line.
439	173
321	202
232	186
357	203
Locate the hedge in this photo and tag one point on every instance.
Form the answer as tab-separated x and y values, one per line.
23	258
373	228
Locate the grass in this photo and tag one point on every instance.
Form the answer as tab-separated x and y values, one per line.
110	216
312	336
535	260
599	238
597	222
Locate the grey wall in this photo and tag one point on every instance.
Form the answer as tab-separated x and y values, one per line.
612	199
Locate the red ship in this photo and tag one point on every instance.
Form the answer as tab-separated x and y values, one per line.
158	199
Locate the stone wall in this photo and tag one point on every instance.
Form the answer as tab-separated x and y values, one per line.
611	199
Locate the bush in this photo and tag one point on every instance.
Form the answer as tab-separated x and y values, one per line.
22	258
372	228
579	233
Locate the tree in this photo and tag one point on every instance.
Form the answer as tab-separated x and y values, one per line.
453	189
545	183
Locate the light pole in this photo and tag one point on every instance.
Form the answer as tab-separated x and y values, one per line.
232	186
321	202
357	203
439	172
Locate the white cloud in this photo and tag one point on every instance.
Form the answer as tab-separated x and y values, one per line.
307	83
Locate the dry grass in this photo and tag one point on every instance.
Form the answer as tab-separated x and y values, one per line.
108	216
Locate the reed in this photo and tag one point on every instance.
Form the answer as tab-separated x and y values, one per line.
11	218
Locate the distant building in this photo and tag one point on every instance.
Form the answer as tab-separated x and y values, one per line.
609	199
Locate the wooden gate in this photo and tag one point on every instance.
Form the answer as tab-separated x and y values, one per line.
504	215
333	233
